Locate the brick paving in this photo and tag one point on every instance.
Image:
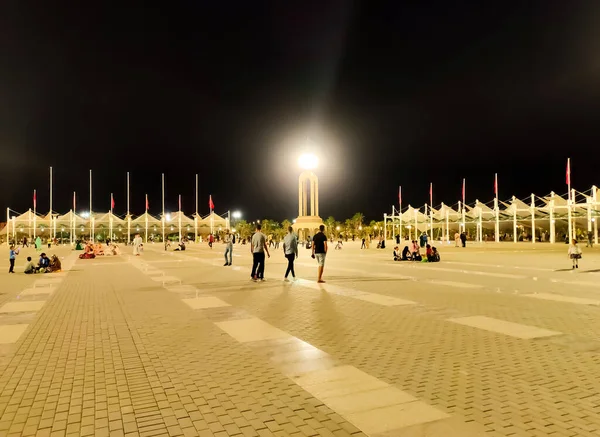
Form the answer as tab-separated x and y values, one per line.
113	351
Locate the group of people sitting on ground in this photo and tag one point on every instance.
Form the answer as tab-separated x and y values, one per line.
414	253
92	250
45	265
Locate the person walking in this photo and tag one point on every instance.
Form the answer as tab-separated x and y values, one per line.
228	248
12	255
211	240
320	251
574	253
290	250
258	249
590	239
137	245
363	246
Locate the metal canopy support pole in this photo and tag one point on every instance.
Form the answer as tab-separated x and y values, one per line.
497	228
514	199
570	217
532	218
447	226
384	227
7	226
552	223
595	219
128	214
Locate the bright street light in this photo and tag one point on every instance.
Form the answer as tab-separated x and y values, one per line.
236	215
308	161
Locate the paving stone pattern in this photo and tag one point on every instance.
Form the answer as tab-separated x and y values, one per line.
175	344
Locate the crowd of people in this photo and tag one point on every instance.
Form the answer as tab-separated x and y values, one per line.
44	265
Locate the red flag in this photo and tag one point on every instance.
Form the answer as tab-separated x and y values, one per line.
180	202
112	202
211	205
147	205
569	172
34	199
464	190
496	184
431	194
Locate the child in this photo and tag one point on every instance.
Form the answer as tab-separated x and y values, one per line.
574	253
29	267
12	255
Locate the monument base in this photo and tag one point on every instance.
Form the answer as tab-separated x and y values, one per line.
307	225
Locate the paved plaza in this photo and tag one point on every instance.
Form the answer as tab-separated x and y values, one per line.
496	340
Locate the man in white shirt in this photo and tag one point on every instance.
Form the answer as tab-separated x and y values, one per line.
258	249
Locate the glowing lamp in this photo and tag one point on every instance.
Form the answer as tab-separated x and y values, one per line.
308	161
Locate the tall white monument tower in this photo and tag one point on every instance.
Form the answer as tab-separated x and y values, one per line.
308	220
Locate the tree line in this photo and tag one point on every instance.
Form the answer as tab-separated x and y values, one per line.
354	226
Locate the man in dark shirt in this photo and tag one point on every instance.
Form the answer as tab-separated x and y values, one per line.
319	250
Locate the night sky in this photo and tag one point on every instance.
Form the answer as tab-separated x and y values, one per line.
390	93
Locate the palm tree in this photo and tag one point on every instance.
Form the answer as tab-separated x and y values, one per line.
330	224
357	221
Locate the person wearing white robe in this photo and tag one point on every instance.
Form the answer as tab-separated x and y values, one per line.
137	243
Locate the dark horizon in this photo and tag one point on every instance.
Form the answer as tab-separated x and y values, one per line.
390	94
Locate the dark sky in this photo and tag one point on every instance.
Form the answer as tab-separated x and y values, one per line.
389	92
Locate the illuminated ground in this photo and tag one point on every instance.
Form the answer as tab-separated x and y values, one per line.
176	344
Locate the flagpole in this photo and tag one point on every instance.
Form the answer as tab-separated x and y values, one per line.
212	222
146	220
8	226
128	215
570	200
163	210
464	223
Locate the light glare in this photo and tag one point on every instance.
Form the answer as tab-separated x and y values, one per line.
308	161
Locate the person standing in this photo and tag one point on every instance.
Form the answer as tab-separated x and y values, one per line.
137	244
228	248
290	249
320	251
463	239
12	255
38	243
258	249
575	253
590	239
211	240
456	239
